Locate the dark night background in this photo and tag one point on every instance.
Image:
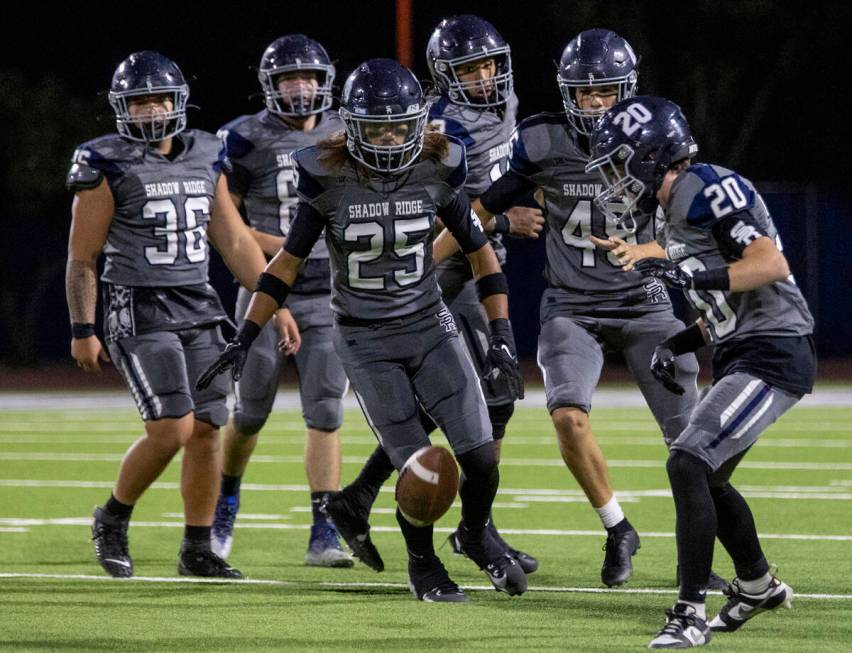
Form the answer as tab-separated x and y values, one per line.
764	85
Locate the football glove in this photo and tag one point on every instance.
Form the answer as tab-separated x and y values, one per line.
669	272
233	357
663	369
502	359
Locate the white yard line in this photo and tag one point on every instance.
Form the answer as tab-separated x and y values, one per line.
39	456
546	532
628	397
367	585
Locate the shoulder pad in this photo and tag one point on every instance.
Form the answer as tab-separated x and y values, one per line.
96	159
455	163
446	125
708	193
308	172
208	145
236	144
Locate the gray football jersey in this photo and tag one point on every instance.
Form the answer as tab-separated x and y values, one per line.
158	234
701	197
486	135
379	231
258	148
547	151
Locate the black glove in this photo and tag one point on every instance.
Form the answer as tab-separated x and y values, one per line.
669	272
502	359
233	357
663	369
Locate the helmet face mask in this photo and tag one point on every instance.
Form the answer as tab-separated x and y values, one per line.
622	194
146	74
593	59
462	40
291	55
363	132
384	114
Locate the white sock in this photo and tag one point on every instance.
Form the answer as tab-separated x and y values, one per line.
610	513
700	608
758	586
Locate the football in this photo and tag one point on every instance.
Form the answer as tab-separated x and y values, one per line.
427	485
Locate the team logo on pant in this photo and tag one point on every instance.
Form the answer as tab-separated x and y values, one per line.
119	320
656	292
446	319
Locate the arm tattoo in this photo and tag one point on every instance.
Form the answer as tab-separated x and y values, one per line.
81	291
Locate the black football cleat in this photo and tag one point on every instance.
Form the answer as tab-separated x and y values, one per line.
502	570
429	581
742	606
202	562
619	548
110	537
350	519
527	562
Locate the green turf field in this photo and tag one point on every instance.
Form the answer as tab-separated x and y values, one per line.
57	464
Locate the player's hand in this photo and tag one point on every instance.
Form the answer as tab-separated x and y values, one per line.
626	253
291	339
525	222
663	369
502	359
669	272
233	358
89	352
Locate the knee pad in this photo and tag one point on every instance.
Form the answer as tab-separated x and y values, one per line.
500	416
480	462
683	465
248	424
324	414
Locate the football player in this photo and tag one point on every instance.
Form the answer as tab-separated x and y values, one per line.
590	306
148	198
471	68
376	191
296	76
723	251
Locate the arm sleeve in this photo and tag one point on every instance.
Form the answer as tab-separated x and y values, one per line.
463	223
305	230
505	193
736	232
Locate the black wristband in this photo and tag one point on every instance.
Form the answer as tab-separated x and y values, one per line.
81	330
248	332
272	286
688	340
501	224
492	284
712	279
500	327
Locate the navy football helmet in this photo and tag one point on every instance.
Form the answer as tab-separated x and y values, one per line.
633	146
460	40
596	57
384	112
148	73
296	52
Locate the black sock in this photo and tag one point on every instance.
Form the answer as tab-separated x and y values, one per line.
418	539
480	478
696	523
372	476
198	537
231	485
316	502
737	532
620	527
117	509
